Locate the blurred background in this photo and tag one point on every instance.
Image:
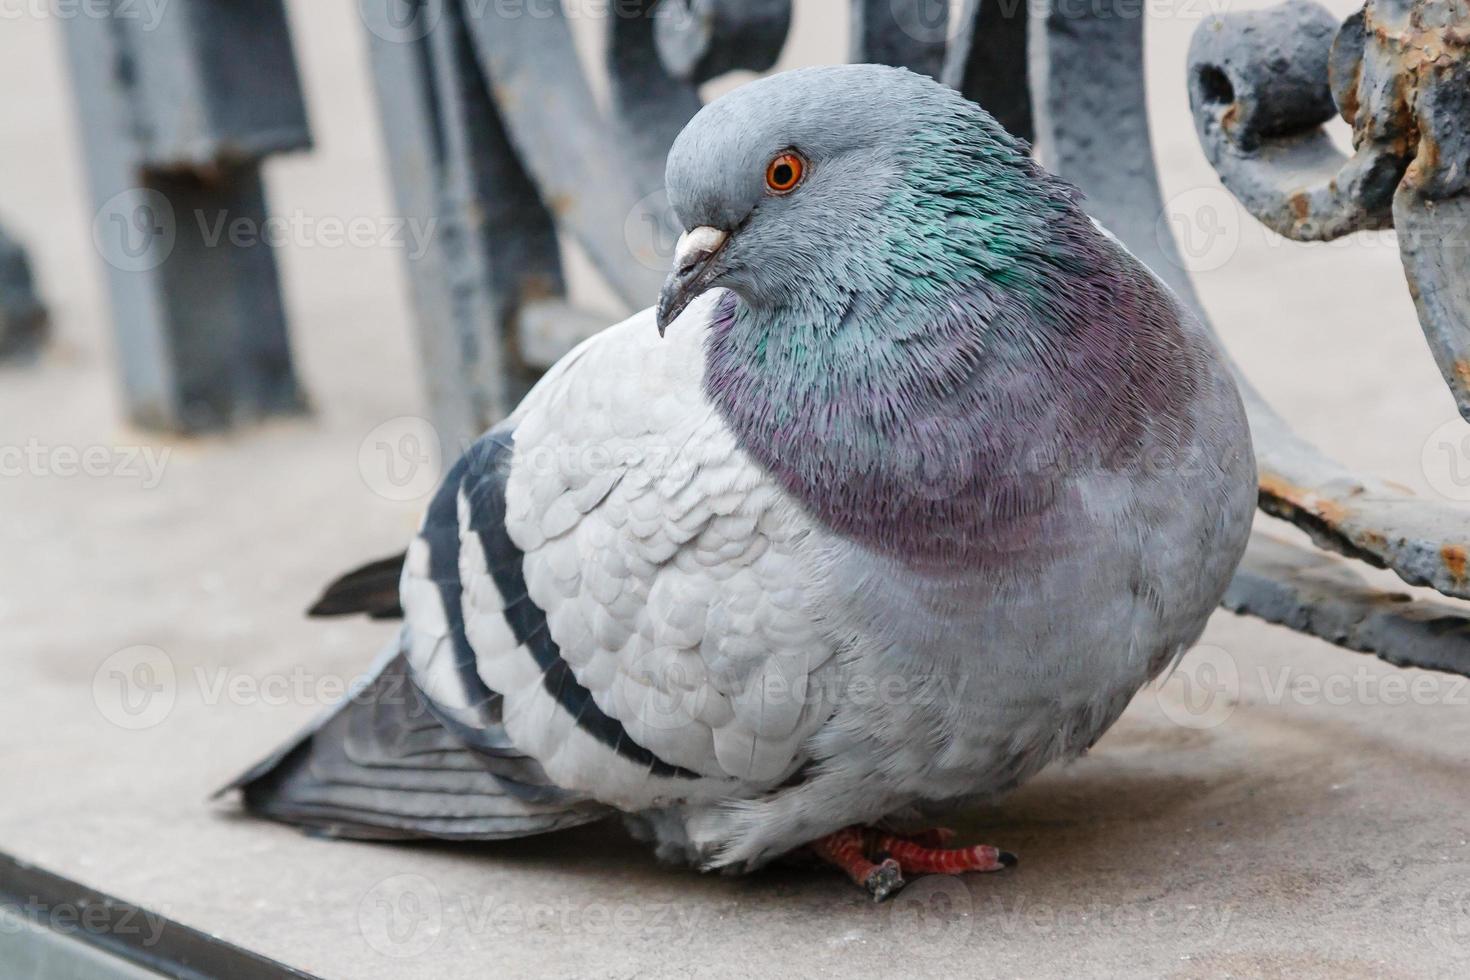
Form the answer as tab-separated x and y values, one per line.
151	600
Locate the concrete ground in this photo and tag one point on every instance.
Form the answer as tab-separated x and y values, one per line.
1278	807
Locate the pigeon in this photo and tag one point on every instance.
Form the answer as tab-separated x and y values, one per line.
909	482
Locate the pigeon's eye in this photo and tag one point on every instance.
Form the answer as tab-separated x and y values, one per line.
784	172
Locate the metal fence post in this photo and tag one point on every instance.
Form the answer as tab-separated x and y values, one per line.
486	170
177	113
22	317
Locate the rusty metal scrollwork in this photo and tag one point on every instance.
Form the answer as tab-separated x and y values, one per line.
1262	86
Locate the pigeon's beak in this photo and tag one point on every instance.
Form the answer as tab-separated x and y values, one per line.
693	270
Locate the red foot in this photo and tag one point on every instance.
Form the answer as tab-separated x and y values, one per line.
845	850
854	849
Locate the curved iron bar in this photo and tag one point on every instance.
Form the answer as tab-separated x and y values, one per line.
589	179
986	61
703	39
1262	84
1258	84
1313	592
1080	92
650	103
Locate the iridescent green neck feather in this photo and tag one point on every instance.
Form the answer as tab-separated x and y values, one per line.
928	340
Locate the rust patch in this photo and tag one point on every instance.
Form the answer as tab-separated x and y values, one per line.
1462	372
1454	558
1300	498
539	287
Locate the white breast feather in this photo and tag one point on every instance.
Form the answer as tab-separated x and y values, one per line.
670	569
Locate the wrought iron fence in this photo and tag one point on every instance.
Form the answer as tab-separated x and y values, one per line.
494	134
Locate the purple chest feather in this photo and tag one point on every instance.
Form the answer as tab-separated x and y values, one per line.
961	436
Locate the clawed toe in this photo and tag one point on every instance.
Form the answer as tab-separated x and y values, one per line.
885	879
878	861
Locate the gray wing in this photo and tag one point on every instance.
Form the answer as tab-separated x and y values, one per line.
381	766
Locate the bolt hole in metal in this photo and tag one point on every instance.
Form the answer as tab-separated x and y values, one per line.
1214	86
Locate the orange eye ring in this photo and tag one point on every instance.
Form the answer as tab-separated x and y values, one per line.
784	172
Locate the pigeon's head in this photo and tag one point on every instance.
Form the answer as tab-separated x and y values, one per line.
799	190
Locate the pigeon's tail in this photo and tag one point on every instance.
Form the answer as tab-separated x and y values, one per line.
371	589
381	766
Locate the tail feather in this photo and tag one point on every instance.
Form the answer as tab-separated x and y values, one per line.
382	767
371	589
